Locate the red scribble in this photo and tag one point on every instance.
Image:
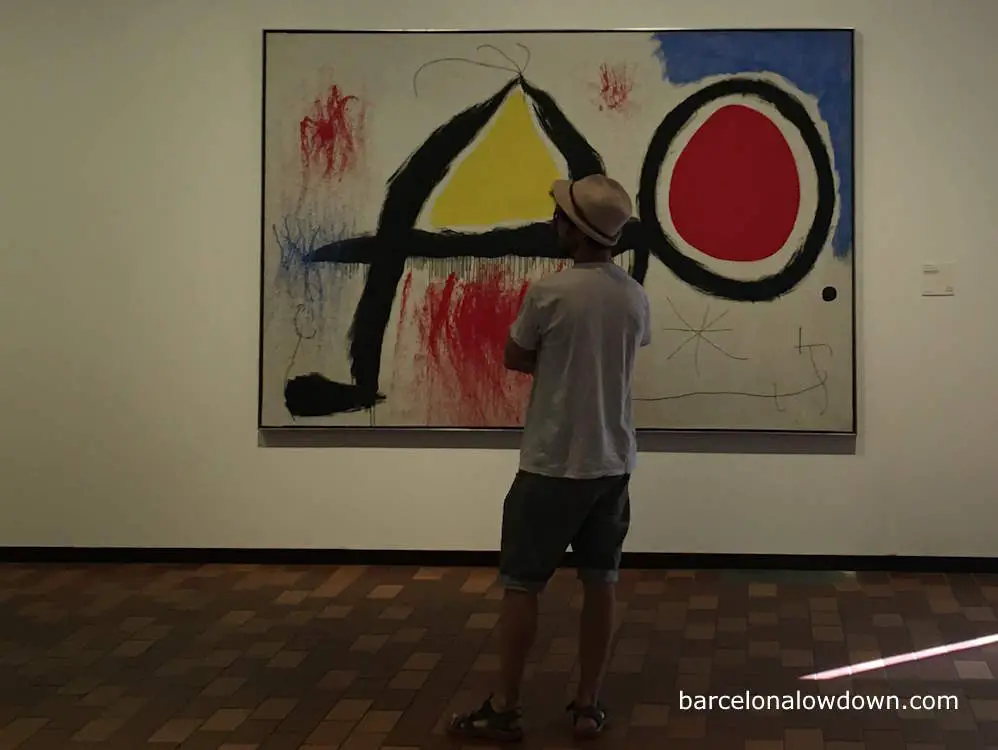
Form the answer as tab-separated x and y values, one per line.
615	85
333	134
462	327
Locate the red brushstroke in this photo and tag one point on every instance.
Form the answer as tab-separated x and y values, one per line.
616	83
462	327
333	134
735	189
403	308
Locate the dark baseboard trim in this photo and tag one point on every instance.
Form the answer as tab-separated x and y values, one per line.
443	558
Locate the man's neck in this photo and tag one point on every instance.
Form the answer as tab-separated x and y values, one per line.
590	256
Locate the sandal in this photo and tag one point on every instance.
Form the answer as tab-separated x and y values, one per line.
595	713
486	723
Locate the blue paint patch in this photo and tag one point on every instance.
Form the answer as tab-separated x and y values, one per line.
819	63
298	238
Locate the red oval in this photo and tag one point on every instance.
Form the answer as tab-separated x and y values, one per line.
735	190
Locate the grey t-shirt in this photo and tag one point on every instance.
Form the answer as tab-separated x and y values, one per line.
586	324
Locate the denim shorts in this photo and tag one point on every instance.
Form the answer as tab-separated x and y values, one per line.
542	516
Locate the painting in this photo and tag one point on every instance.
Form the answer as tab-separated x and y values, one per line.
407	209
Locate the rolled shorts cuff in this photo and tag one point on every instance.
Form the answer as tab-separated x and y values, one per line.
589	575
515	584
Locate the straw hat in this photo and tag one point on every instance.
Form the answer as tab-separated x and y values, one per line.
597	205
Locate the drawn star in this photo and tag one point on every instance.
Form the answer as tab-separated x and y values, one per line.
701	334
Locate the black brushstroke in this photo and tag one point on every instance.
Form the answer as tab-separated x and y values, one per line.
688	269
315	395
581	158
408	190
635	237
396	239
412	183
529	241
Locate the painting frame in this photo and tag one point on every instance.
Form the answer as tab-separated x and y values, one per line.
270	32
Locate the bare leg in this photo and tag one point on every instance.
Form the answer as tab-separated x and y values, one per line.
595	633
518	627
498	718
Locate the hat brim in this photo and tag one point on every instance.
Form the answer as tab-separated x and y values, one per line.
560	191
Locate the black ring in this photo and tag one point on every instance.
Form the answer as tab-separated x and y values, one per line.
687	268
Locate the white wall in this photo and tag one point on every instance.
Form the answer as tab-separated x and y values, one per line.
129	220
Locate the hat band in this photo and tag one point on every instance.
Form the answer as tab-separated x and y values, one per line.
582	215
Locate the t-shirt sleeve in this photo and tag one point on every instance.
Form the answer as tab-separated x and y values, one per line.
646	321
526	329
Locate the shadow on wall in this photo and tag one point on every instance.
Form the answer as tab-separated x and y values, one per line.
662	442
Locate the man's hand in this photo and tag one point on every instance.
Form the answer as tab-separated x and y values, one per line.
518	359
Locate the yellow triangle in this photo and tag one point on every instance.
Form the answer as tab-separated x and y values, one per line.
505	178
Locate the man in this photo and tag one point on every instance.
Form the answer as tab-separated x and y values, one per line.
577	333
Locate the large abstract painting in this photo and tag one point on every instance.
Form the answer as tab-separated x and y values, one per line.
406	211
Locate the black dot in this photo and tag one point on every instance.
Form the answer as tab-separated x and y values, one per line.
829	294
